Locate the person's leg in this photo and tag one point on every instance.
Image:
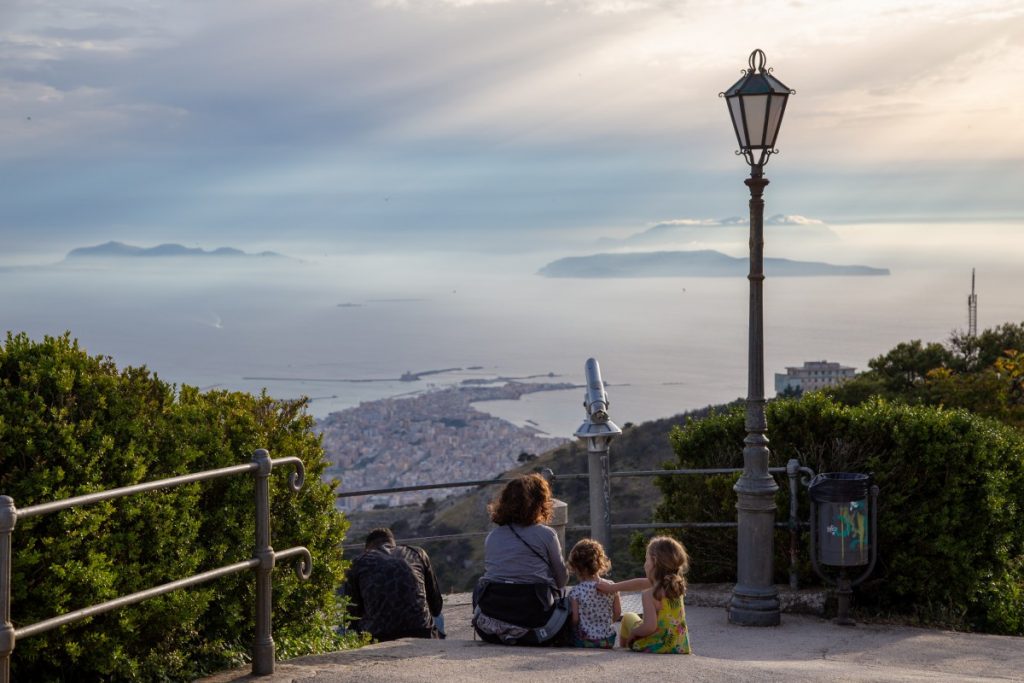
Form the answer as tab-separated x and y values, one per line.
439	623
630	620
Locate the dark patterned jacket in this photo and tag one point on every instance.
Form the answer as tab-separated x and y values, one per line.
394	593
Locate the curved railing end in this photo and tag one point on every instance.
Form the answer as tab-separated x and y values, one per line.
304	565
297	478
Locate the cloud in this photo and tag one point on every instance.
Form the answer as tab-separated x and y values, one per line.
482	122
781	219
727	233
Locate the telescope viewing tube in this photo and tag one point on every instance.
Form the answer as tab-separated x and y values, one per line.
598	430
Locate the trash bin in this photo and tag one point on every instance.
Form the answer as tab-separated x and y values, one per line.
841	500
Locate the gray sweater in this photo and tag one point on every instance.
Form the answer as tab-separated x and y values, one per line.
507	559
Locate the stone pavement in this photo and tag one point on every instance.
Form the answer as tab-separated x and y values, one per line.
803	648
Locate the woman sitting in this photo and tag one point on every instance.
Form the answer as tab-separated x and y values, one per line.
519	599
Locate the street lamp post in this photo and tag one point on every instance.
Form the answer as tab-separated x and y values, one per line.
756	104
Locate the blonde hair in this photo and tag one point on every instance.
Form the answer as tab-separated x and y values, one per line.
587	558
670	562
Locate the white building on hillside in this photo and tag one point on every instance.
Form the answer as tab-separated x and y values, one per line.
812	376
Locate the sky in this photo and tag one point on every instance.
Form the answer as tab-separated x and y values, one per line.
350	126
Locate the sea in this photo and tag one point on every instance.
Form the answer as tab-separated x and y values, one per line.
344	328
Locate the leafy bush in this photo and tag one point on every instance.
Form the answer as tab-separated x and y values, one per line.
951	508
71	424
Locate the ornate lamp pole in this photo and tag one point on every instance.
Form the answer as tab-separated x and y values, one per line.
756	104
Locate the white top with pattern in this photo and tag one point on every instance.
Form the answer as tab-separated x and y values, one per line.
595	610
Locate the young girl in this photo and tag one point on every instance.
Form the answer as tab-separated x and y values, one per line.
592	612
663	627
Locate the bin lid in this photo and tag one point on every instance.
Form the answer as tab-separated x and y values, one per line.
839	487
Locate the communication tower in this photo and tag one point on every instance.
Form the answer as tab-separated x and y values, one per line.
972	310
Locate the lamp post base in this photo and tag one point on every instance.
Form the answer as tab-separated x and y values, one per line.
753	607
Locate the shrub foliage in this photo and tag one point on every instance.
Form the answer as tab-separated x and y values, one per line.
951	508
71	424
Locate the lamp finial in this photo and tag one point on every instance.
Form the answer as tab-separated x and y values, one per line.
757	61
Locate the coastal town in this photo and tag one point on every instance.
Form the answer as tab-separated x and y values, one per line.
432	437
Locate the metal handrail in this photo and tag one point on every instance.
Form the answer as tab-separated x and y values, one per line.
263	560
792	470
422	487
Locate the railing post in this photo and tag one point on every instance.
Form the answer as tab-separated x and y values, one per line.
559	520
8	518
793	471
600	492
263	645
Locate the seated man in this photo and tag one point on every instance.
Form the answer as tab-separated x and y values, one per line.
392	590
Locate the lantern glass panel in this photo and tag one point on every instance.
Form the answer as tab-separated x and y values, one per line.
775	108
737	120
755	111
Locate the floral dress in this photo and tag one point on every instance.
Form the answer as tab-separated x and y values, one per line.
671	636
595	609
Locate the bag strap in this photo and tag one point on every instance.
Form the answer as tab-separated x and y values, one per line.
533	550
555	622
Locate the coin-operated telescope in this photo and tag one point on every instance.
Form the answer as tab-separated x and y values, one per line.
598	430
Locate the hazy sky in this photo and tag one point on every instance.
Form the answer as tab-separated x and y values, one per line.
334	125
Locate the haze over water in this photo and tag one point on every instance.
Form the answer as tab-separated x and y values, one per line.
665	345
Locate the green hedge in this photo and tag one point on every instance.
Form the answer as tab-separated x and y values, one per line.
71	424
951	508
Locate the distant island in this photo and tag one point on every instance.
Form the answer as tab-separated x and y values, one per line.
702	263
122	250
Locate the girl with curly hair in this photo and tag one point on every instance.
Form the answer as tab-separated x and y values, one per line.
593	612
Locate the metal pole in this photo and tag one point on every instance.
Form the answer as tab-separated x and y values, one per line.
263	645
8	518
598	430
600	491
755	599
793	471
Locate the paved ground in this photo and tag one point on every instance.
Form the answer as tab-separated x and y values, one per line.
803	648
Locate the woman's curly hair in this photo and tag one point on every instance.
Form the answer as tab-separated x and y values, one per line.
587	558
524	501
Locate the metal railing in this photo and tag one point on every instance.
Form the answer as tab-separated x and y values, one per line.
263	560
792	470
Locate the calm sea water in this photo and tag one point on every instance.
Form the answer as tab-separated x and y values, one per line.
665	345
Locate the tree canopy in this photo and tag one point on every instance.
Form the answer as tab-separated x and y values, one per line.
983	373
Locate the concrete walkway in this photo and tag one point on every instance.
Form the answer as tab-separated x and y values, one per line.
803	648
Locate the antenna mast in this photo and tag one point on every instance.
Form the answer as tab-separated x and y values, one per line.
972	310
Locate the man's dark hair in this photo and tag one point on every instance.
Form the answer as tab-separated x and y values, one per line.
379	537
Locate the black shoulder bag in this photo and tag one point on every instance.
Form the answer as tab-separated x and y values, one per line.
538	607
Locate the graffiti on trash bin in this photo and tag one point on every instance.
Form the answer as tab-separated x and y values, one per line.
850	523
